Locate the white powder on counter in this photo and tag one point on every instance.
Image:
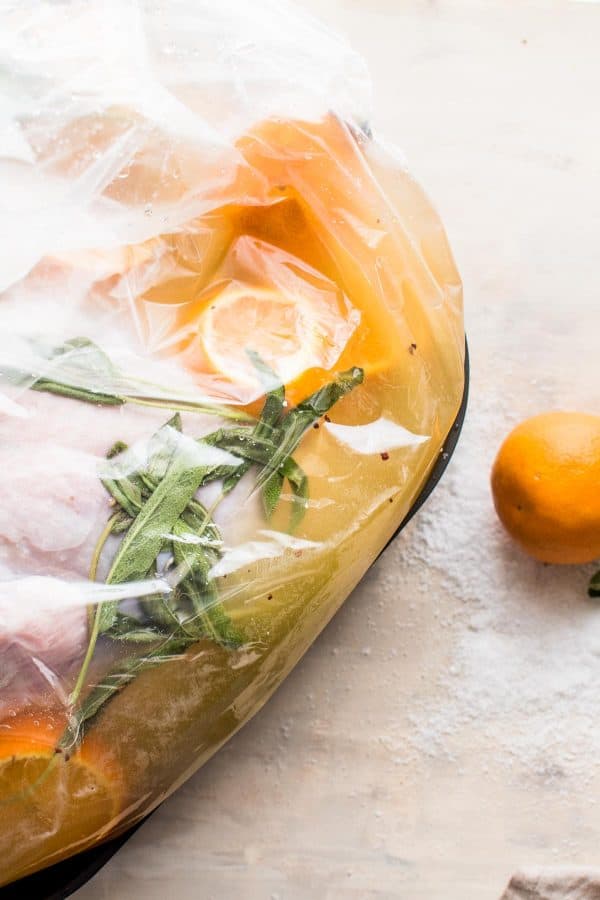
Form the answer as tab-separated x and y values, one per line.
524	637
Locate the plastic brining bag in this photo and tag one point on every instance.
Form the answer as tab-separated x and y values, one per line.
231	347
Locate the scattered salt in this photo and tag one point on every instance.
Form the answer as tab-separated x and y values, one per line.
523	637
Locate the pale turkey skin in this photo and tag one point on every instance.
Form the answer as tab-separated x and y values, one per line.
43	629
48	535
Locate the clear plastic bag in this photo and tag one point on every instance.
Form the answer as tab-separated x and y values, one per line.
231	346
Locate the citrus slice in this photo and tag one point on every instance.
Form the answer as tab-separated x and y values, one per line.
292	333
51	805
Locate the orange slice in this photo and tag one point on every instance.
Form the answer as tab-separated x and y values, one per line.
291	333
51	806
321	211
302	209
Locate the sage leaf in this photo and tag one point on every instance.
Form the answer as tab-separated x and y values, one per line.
79	369
275	396
126	493
48	386
299	419
162	612
128	488
128	628
194	563
121	522
153	524
233	479
162	448
594	586
159	512
271	492
298	481
262	431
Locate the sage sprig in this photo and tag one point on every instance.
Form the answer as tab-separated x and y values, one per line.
194	561
153	525
309	411
73	363
80	370
166	530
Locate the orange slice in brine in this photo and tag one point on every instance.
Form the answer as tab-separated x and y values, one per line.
51	805
292	334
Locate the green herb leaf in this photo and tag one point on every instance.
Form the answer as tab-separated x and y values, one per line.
271	492
128	628
154	524
74	368
81	370
264	429
48	386
158	511
126	492
594	586
162	612
120	522
117	448
194	561
129	488
162	448
274	400
298	481
306	414
242	442
315	406
197	519
233	479
124	485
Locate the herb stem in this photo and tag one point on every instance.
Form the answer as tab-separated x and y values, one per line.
104	536
208	513
189	406
93	640
93	570
159	512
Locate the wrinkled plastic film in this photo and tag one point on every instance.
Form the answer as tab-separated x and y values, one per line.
231	347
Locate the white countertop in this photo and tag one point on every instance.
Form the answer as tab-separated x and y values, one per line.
445	728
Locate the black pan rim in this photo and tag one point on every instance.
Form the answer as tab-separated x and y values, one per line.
61	880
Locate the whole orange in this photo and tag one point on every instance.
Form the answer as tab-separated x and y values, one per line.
546	486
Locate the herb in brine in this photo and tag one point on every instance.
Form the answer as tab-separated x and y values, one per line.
158	517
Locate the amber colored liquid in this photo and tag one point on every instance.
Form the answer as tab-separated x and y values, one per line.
351	218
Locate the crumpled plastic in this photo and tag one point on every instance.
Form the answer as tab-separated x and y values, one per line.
231	347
